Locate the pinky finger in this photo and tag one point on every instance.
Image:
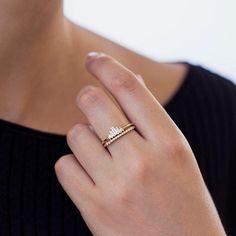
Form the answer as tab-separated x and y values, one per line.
74	179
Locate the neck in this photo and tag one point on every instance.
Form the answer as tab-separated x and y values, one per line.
34	37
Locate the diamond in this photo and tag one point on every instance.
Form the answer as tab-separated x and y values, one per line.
114	131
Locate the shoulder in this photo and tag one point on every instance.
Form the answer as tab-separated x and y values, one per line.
212	88
210	77
218	96
210	94
204	108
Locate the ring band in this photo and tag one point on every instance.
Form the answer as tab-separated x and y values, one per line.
117	132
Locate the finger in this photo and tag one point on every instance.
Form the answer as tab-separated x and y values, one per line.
102	114
74	179
90	153
136	100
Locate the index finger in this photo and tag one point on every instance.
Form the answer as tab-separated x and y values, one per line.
136	100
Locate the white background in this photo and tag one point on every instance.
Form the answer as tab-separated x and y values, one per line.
198	31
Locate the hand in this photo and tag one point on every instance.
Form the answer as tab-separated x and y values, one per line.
147	182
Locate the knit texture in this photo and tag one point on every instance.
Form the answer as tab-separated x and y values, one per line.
33	203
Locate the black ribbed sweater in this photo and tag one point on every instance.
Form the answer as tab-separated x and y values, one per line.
32	202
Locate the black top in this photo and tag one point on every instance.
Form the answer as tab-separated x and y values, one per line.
32	202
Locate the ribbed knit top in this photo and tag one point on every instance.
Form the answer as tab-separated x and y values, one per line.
33	203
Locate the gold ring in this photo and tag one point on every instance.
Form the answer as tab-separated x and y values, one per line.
117	132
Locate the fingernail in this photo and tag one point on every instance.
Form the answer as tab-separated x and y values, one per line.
91	56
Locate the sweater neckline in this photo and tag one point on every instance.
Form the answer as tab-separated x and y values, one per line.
18	128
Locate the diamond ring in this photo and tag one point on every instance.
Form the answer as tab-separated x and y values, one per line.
117	132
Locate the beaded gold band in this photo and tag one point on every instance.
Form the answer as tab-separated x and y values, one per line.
117	132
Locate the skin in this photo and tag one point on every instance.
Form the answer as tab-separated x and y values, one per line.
147	182
42	59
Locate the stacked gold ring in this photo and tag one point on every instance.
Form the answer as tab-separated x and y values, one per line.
117	132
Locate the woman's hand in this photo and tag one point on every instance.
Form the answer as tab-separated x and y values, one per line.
147	182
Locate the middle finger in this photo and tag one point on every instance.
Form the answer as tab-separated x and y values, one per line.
102	114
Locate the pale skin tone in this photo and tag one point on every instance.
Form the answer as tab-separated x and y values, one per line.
42	59
145	183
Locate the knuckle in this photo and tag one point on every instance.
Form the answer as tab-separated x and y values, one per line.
122	194
59	165
90	96
124	82
176	148
140	169
75	132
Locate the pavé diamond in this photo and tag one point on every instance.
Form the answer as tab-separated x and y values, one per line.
115	131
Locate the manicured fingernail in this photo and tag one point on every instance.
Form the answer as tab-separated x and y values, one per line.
91	56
